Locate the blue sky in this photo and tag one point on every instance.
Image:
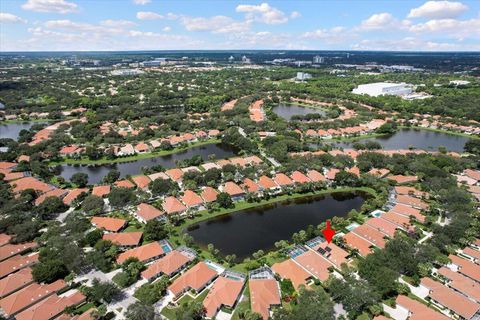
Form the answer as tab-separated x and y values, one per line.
65	25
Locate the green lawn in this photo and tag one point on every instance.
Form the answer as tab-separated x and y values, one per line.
169	313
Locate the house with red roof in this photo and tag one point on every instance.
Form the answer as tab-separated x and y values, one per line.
146	253
16	263
171	264
4	239
225	292
73	195
101	191
175	174
52	307
124	184
30	183
15	281
10	250
209	194
142	148
282	180
315	176
192	200
141	181
171	205
57	193
124	239
146	212
196	279
109	224
266	183
288	269
250	186
299	177
417	310
233	190
401	179
264	293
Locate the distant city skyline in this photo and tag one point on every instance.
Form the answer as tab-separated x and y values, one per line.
105	25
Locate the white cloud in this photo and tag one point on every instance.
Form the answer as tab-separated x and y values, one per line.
117	23
263	13
380	21
295	15
215	24
10	18
330	36
148	15
167	29
452	27
438	10
141	2
55	6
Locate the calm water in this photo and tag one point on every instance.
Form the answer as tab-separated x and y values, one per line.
11	130
286	111
96	173
420	139
245	232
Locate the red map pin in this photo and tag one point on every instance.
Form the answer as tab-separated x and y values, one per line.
328	233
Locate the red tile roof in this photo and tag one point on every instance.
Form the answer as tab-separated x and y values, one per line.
461	283
148	212
10	250
142	253
51	307
175	174
58	193
315	264
315	176
472	253
224	292
288	269
418	310
400	179
141	181
332	173
124	238
282	180
191	199
209	194
15	281
109	224
101	191
124	184
401	221
169	264
4	239
299	177
264	293
356	242
171	205
16	263
408	211
334	253
250	186
409	191
266	183
232	189
195	278
382	225
73	194
30	183
466	267
371	235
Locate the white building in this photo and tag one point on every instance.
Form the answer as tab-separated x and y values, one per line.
384	88
318	59
303	76
459	82
126	72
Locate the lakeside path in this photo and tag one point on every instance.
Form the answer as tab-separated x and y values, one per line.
133	158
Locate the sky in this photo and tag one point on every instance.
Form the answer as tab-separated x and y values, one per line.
111	25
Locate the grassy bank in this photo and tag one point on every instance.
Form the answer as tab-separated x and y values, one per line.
134	157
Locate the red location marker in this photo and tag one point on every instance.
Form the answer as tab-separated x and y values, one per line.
328	233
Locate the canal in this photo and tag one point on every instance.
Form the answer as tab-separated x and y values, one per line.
287	111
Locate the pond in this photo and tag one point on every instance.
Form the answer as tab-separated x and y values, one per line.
245	232
97	172
287	111
11	130
417	138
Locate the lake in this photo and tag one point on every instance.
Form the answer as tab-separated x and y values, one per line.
287	111
245	232
11	130
419	139
97	172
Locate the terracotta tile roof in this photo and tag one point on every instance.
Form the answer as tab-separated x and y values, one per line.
408	211
224	292
288	269
15	281
447	297
142	253
401	221
58	193
371	235
228	105
141	181
23	157
418	310
70	149
380	317
16	263
209	194
355	170
109	224
239	162
142	147
4	165
411	201
282	180
213	133
299	177
10	250
223	162
51	307
334	253
210	165
101	191
400	179
87	315
30	183
124	238
253	160
472	253
73	194
148	212
332	173
158	175
191	199
356	242
232	189
124	184
250	186
382	225
28	296
379	172
4	239
171	205
473	174
466	267
195	278
171	263
266	183
264	293
461	283
314	264
409	191
10	176
315	176
175	174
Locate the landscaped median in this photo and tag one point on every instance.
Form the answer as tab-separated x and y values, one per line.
135	157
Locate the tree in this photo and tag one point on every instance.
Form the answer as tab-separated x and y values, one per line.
312	304
192	310
160	187
472	146
80	179
102	292
154	230
93	205
149	293
50	207
49	271
224	200
121	197
140	311
93	236
111	176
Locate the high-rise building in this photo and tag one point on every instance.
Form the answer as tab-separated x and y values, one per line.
318	59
